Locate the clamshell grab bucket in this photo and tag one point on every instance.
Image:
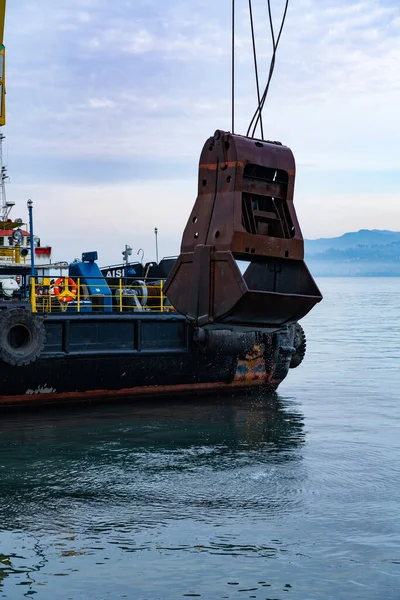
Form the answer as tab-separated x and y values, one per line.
242	251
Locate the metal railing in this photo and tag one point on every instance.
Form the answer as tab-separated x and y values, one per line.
65	294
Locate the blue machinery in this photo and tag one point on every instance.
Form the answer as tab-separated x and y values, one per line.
89	274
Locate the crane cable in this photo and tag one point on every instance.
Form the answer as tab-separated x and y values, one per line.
233	67
257	117
256	68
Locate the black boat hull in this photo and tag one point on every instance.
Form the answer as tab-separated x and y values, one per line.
95	356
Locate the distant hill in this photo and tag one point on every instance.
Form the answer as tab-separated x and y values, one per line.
362	253
364	237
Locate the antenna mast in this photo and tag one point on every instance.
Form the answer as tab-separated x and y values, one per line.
5	207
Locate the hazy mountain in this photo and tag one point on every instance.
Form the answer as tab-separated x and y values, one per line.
364	237
363	253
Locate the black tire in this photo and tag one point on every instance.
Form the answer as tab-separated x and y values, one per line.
22	336
300	345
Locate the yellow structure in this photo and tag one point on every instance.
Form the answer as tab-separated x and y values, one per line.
2	65
150	296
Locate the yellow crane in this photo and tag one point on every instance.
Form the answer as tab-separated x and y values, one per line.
2	65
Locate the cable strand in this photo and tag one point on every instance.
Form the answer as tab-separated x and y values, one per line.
233	66
273	59
256	68
258	112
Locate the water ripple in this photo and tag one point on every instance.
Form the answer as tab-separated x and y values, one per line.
293	495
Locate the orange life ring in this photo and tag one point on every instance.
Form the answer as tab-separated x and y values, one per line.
65	289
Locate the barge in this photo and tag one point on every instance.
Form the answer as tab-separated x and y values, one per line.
223	316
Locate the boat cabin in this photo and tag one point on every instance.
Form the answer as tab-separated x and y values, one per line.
15	245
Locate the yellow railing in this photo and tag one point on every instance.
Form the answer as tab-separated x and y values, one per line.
58	296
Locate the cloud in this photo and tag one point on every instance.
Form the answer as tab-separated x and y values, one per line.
76	218
133	90
334	215
100	103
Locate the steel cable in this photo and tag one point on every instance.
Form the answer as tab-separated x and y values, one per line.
257	114
233	66
255	67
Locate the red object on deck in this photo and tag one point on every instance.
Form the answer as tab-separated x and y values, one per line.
45	250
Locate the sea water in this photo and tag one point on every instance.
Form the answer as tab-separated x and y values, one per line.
293	496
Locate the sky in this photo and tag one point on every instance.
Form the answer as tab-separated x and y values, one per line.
109	105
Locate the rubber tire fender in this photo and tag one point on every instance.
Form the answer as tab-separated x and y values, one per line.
300	345
32	336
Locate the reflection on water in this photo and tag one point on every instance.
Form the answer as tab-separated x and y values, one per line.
80	488
289	497
123	456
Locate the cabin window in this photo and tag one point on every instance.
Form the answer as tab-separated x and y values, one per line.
1	241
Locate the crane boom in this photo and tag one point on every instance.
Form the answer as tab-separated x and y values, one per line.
2	18
2	65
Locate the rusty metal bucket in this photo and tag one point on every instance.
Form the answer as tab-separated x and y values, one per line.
241	261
